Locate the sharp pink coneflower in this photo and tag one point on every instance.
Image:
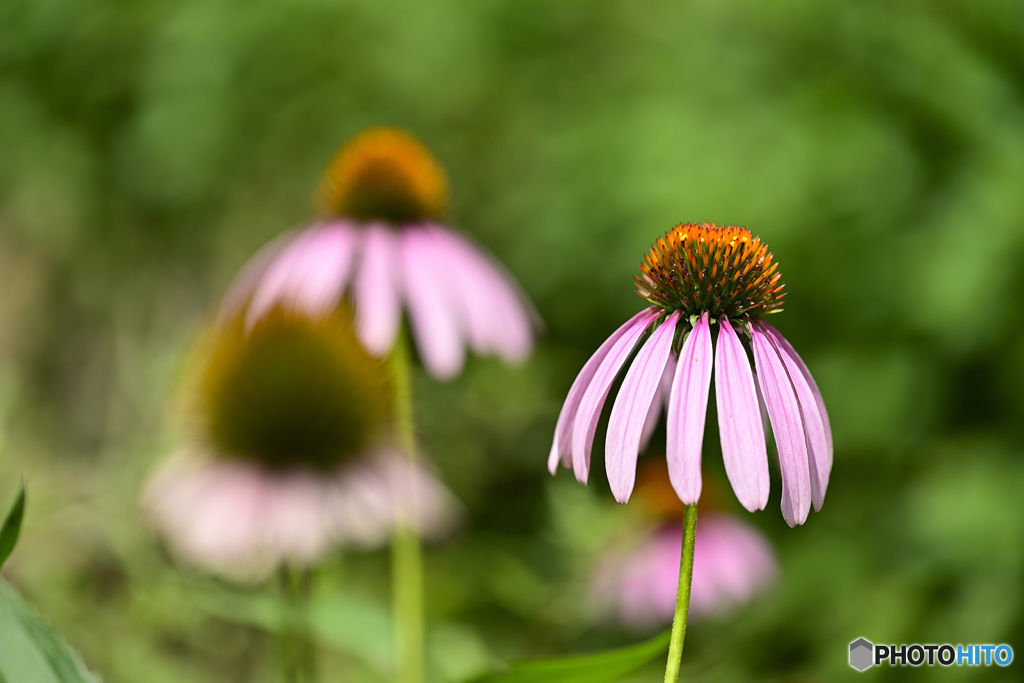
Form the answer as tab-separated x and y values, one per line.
696	278
380	241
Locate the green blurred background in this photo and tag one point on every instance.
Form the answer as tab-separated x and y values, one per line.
148	148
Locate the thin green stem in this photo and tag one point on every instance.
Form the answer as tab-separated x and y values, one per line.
307	653
286	642
297	651
406	554
675	645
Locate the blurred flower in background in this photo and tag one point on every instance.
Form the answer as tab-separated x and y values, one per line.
693	277
290	453
636	580
382	197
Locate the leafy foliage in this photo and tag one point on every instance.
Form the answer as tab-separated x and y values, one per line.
31	651
597	668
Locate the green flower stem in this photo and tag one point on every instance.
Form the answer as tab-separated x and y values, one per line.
297	652
675	644
406	554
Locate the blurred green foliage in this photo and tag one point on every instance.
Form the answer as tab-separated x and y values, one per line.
877	147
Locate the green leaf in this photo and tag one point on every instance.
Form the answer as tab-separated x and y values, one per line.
12	526
30	651
603	667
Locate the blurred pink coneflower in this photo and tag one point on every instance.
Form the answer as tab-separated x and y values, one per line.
696	277
636	580
381	242
290	453
732	563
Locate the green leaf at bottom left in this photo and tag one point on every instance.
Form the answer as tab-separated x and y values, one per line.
29	651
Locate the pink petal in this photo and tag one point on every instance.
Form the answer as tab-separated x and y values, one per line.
687	411
633	403
432	312
561	446
498	317
361	507
787	425
294	519
589	411
816	424
246	282
375	290
739	421
470	294
309	274
660	399
420	500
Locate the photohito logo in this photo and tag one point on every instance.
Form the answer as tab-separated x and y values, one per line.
864	654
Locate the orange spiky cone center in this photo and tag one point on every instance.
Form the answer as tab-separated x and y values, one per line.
384	174
725	271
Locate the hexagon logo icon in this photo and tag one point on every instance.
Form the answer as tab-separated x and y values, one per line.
861	654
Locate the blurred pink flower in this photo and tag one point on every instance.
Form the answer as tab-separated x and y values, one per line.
383	245
243	520
291	452
732	563
694	277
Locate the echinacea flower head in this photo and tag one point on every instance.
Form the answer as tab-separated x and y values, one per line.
293	390
384	174
290	453
699	278
380	244
636	579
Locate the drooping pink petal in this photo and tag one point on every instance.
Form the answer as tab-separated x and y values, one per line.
246	282
293	519
376	290
787	426
633	403
309	274
278	276
660	399
386	491
236	518
589	411
687	411
739	421
361	508
561	446
473	301
432	312
420	499
819	431
498	317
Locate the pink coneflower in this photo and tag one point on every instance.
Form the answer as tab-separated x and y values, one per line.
635	582
290	454
381	242
697	277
